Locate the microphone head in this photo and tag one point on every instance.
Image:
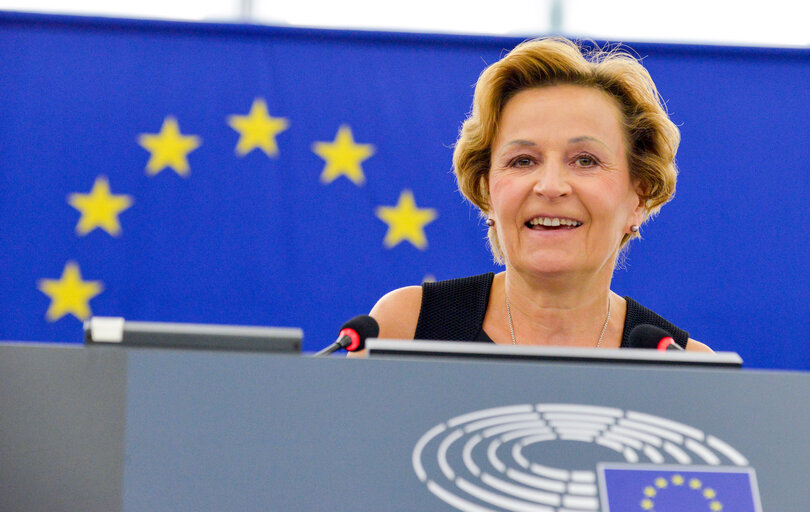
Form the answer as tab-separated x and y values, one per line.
359	328
647	336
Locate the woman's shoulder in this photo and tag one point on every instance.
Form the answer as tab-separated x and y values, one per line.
696	346
397	312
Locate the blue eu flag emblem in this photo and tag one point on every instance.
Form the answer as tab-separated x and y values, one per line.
648	488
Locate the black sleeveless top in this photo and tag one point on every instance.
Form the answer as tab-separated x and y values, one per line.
454	310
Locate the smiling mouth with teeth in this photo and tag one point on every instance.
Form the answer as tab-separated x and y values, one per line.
546	223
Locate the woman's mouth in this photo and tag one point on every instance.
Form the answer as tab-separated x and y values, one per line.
552	223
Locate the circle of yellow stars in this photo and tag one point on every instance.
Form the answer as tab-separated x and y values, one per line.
661	483
169	148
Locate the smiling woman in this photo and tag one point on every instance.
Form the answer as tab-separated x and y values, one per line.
560	191
565	155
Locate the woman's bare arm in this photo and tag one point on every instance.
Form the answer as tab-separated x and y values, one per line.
397	312
696	346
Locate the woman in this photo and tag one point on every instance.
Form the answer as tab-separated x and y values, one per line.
565	157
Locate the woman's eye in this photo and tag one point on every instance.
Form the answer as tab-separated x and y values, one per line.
585	161
522	161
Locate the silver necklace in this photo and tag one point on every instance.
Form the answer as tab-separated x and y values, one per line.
512	329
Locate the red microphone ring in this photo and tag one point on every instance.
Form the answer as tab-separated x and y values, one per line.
664	343
351	333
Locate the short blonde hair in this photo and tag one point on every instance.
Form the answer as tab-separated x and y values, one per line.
652	139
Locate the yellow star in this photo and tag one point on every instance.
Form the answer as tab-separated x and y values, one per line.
343	157
257	129
69	294
406	221
99	208
168	148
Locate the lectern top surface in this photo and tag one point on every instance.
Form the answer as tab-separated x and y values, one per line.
426	348
114	330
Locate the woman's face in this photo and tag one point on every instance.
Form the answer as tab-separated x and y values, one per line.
560	189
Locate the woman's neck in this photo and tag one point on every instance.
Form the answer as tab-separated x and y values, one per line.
561	311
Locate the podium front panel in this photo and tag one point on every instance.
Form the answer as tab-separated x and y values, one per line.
236	431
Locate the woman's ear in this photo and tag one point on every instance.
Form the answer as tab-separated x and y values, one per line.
484	187
640	211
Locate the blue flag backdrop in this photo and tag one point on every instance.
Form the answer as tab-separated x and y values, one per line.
272	176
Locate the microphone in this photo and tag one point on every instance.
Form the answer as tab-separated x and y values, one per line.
651	336
353	335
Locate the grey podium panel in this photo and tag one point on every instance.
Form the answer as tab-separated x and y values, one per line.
61	428
198	431
238	432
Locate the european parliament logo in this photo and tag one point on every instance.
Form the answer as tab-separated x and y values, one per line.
648	488
553	457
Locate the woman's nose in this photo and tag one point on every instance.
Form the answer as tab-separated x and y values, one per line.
552	181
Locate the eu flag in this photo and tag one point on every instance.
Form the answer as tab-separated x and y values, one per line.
648	488
250	175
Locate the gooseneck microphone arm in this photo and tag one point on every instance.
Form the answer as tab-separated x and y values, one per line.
353	335
344	340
